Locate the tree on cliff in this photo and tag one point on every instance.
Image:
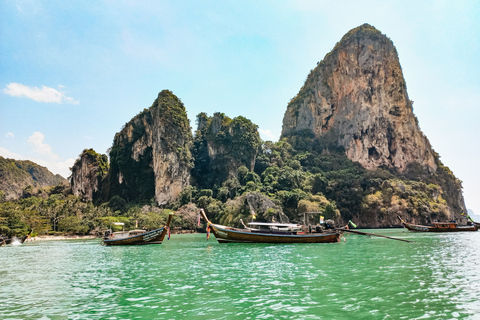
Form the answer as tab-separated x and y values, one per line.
221	146
150	157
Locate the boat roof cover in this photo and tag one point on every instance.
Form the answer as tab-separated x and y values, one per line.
118	223
136	230
274	224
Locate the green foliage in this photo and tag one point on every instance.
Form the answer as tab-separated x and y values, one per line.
18	174
72	224
235	141
57	212
153	220
97	159
186	196
117	204
319	177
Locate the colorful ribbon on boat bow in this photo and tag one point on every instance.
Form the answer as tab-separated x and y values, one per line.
168	233
208	231
353	224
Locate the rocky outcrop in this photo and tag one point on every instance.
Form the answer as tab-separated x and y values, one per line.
88	173
150	157
265	208
357	98
16	175
221	146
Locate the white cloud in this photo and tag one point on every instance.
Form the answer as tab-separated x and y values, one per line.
57	167
45	94
9	135
36	142
267	135
10	155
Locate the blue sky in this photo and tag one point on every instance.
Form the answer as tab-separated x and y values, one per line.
72	73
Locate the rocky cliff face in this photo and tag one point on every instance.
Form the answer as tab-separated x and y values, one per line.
16	175
357	98
150	157
221	146
88	173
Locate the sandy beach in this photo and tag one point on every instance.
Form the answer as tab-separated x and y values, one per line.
50	238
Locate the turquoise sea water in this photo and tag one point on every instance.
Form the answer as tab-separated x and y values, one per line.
187	277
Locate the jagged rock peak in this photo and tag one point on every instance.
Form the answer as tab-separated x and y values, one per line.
151	156
356	98
87	174
364	31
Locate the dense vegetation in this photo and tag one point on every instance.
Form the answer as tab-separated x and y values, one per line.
56	211
15	175
320	179
221	145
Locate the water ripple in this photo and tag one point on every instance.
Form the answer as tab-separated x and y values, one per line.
435	278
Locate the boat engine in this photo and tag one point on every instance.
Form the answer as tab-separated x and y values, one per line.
329	224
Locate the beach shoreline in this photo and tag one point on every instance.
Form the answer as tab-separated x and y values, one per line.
53	238
88	237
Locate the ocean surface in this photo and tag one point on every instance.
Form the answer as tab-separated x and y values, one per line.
187	277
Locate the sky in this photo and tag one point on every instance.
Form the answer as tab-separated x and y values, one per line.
72	73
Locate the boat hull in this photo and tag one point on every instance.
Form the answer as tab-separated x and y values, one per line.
419	228
151	237
226	234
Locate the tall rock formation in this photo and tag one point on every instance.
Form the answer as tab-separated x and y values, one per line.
356	98
221	146
88	173
150	157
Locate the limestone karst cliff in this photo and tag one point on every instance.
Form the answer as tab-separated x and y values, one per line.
221	146
88	173
150	157
351	148
356	98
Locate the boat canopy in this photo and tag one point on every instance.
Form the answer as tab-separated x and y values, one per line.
118	223
274	224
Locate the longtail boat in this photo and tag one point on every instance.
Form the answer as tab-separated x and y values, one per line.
137	236
439	227
271	233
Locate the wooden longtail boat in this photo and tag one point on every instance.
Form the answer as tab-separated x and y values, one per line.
137	236
271	233
439	227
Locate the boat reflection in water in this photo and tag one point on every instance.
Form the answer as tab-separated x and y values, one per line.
137	236
259	232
